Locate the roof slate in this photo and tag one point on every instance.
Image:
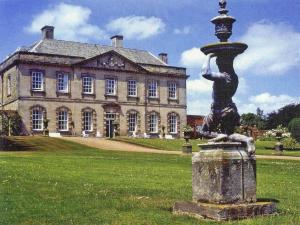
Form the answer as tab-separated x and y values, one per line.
70	48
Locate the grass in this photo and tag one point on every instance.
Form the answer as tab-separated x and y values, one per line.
61	182
176	144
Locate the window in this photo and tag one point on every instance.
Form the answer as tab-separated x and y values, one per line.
63	82
37	119
132	121
153	126
173	124
110	86
132	89
8	85
63	120
37	81
172	90
87	121
87	85
152	89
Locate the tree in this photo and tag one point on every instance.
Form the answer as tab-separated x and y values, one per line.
294	128
251	119
283	116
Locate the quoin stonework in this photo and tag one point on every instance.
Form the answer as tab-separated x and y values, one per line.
93	88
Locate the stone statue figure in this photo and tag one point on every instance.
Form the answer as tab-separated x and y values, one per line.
224	116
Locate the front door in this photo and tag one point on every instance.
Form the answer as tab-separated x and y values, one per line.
109	129
109	121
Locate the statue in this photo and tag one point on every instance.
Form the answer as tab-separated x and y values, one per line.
224	116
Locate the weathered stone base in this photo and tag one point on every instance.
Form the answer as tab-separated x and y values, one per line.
187	148
222	212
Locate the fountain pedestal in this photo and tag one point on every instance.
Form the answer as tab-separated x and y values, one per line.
224	184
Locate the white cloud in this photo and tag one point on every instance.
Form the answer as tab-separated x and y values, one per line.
192	58
274	49
71	22
184	30
199	86
137	27
199	106
267	102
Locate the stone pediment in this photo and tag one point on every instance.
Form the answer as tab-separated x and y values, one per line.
111	60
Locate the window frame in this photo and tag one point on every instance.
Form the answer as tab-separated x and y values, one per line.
152	89
86	122
34	73
131	89
59	80
41	119
111	84
84	78
65	120
172	89
173	123
152	124
132	124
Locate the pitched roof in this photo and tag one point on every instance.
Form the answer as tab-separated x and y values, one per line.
70	48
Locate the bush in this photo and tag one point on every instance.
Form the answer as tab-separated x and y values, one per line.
294	128
289	143
10	120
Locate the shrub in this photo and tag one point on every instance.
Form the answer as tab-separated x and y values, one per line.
294	128
10	120
289	143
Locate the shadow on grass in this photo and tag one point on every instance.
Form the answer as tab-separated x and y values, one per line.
268	200
14	144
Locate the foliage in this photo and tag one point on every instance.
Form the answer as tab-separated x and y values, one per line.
187	128
251	119
11	120
66	183
283	116
294	127
289	143
280	131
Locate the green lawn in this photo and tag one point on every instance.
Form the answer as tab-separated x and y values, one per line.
175	145
60	182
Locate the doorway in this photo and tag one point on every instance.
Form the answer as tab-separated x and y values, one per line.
109	122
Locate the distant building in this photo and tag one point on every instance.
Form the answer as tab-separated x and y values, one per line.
93	88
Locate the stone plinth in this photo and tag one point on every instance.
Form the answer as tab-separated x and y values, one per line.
222	212
187	148
223	173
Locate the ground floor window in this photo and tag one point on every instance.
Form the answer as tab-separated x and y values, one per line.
132	121
173	124
87	121
37	119
63	120
153	123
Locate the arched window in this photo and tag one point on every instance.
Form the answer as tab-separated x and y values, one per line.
153	122
89	122
38	115
173	123
63	118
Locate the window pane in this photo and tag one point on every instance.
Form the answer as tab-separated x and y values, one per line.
110	86
173	124
153	123
172	90
132	88
152	89
132	122
63	120
37	119
87	121
37	80
63	82
87	85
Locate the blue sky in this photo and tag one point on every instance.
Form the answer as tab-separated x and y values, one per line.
269	71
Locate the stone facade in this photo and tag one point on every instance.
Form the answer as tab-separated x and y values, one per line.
17	76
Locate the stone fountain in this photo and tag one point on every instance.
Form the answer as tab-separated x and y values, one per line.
224	170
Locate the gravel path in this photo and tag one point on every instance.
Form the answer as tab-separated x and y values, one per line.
106	144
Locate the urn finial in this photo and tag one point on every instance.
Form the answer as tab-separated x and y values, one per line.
223	23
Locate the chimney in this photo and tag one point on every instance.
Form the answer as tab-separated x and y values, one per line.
163	57
47	32
117	41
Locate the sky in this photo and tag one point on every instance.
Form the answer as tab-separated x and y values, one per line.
269	71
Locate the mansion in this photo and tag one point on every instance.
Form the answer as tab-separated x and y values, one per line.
93	88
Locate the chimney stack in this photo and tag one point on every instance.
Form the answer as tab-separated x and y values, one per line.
117	41
163	57
47	32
